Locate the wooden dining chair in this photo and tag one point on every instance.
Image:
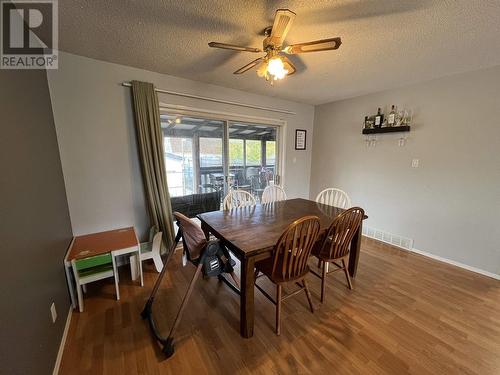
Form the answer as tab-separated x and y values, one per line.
289	262
237	199
334	197
335	245
273	193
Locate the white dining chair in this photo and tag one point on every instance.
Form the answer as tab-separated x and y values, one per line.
149	250
92	269
237	199
273	193
334	197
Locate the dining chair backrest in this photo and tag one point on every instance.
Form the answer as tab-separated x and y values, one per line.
156	246
273	193
194	204
340	233
237	199
193	238
334	197
293	248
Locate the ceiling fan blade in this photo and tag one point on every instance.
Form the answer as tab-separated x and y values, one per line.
317	45
282	22
233	47
249	66
288	65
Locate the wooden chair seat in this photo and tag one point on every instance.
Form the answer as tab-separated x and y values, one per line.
266	267
316	250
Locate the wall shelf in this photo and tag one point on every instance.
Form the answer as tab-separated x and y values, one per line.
392	129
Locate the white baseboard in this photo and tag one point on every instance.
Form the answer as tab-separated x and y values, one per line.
457	264
444	260
63	342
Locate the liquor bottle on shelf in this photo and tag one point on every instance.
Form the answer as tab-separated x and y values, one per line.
400	115
391	119
379	119
408	114
367	125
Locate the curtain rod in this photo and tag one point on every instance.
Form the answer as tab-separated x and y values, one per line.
128	84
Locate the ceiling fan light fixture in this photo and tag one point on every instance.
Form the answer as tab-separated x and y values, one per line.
276	69
275	65
262	71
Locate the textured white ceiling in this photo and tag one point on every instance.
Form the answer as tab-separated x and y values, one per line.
386	43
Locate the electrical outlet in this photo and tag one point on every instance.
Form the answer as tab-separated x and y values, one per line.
53	312
415	163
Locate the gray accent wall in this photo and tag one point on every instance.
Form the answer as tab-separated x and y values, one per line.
450	204
35	229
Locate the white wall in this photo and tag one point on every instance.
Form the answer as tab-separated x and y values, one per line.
95	131
450	205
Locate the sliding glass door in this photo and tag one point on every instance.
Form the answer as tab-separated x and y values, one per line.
194	157
252	156
204	155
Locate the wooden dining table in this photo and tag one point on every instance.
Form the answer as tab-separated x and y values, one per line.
251	233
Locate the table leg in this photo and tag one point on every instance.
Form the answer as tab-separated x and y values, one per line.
139	266
115	271
355	250
247	297
67	269
133	267
205	230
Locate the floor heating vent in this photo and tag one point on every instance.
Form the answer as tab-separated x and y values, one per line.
393	239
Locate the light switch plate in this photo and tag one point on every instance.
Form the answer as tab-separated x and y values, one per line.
415	163
53	312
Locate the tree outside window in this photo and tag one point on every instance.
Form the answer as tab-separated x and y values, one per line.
253	151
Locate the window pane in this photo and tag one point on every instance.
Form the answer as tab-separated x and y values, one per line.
236	152
270	153
253	150
179	165
210	152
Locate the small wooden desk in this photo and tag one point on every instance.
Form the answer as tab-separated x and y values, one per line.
251	233
117	242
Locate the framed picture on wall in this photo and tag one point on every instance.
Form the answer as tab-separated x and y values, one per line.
300	139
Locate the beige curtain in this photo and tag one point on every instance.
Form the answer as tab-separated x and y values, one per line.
150	142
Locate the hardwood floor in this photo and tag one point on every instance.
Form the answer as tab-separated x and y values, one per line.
407	314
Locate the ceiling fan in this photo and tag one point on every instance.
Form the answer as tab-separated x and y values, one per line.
275	64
